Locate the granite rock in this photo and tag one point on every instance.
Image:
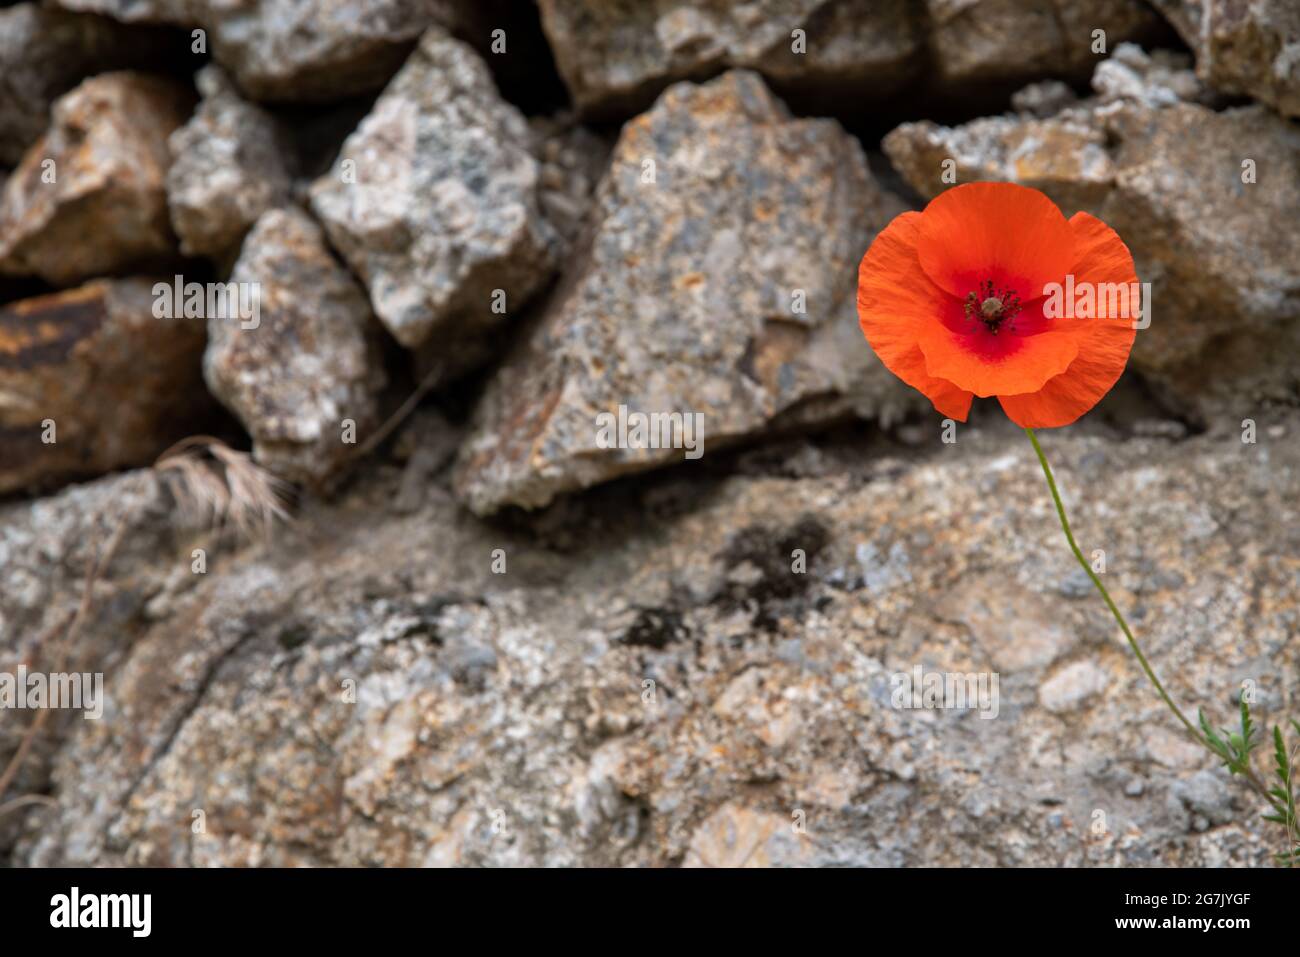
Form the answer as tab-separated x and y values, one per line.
231	163
716	284
434	203
309	364
616	57
364	690
285	50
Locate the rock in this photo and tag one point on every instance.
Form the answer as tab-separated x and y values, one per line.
1151	160
310	364
44	53
1252	49
326	50
231	163
45	549
118	384
434	203
1010	41
1019	629
702	290
88	198
1216	292
1071	686
1043	99
1065	157
362	689
617	57
739	837
287	51
1055	142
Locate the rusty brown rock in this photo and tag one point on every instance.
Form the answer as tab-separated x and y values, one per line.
88	198
93	370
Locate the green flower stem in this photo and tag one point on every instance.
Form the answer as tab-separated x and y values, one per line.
1074	547
1247	771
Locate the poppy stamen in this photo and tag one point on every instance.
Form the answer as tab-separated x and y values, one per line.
992	306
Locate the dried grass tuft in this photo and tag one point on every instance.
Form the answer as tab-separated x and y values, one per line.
216	486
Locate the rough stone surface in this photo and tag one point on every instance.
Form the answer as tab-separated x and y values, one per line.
723	284
119	384
616	57
434	203
102	206
1054	142
1017	40
364	690
292	51
1072	686
231	163
43	54
1167	172
1249	47
45	549
311	362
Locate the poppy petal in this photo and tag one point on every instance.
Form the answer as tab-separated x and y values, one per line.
1104	343
895	301
1003	231
1029	363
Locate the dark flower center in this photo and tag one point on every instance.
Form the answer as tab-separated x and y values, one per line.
992	306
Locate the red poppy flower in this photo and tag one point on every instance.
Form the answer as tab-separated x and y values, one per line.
957	301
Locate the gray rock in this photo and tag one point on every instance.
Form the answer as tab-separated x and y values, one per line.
46	547
1064	156
310	365
88	198
44	53
434	203
360	692
1009	41
1251	49
1172	176
117	383
290	51
231	163
616	57
718	280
